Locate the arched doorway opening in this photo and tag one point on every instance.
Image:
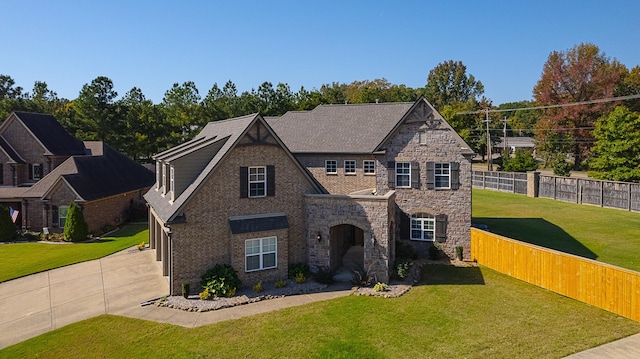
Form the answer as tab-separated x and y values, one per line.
347	247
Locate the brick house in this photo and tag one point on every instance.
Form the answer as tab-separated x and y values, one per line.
313	186
43	169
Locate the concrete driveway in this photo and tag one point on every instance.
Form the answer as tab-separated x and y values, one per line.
42	302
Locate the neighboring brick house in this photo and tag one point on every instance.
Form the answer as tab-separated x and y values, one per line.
43	169
311	186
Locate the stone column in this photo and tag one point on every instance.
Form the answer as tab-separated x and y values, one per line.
533	183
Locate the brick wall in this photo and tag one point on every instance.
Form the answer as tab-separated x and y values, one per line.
111	210
339	183
206	238
29	149
441	146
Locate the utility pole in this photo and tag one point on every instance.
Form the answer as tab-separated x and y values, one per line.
504	135
489	159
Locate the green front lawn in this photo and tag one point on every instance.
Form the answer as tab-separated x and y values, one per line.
607	235
454	313
20	259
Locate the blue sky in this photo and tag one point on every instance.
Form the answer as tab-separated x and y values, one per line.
153	44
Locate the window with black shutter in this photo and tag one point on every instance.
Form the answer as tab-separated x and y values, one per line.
244	182
415	175
271	181
441	228
391	169
431	182
455	175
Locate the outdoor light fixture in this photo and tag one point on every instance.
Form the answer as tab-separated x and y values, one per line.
373	239
319	237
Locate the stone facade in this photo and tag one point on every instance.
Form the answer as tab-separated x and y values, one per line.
440	145
372	214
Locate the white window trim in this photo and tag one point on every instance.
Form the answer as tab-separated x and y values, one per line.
264	181
437	175
172	182
355	166
164	179
326	167
60	217
372	164
33	171
403	174
421	221
158	177
260	254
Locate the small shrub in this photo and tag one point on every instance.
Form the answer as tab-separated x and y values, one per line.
29	236
205	294
75	227
221	280
300	278
459	252
402	269
141	246
296	268
280	284
257	287
406	251
186	289
362	277
7	228
380	287
232	292
323	276
434	253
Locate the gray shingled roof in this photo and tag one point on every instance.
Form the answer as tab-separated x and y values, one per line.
358	128
6	147
228	131
51	134
92	177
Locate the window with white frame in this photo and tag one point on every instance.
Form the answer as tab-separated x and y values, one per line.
164	179
403	174
349	167
423	227
261	253
158	178
62	215
172	185
369	167
331	167
442	173
36	171
257	181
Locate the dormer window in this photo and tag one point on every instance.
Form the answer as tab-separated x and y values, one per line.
172	185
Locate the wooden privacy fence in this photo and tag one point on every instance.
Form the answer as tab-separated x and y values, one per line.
599	284
622	195
501	181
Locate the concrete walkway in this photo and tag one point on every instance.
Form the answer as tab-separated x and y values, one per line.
118	283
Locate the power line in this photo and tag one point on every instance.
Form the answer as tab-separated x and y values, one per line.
611	99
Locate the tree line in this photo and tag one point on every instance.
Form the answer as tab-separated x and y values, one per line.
139	128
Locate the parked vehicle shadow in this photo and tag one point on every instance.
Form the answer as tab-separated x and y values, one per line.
536	231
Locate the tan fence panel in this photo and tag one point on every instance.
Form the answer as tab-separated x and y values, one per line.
599	284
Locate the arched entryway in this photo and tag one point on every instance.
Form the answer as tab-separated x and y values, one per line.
347	247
